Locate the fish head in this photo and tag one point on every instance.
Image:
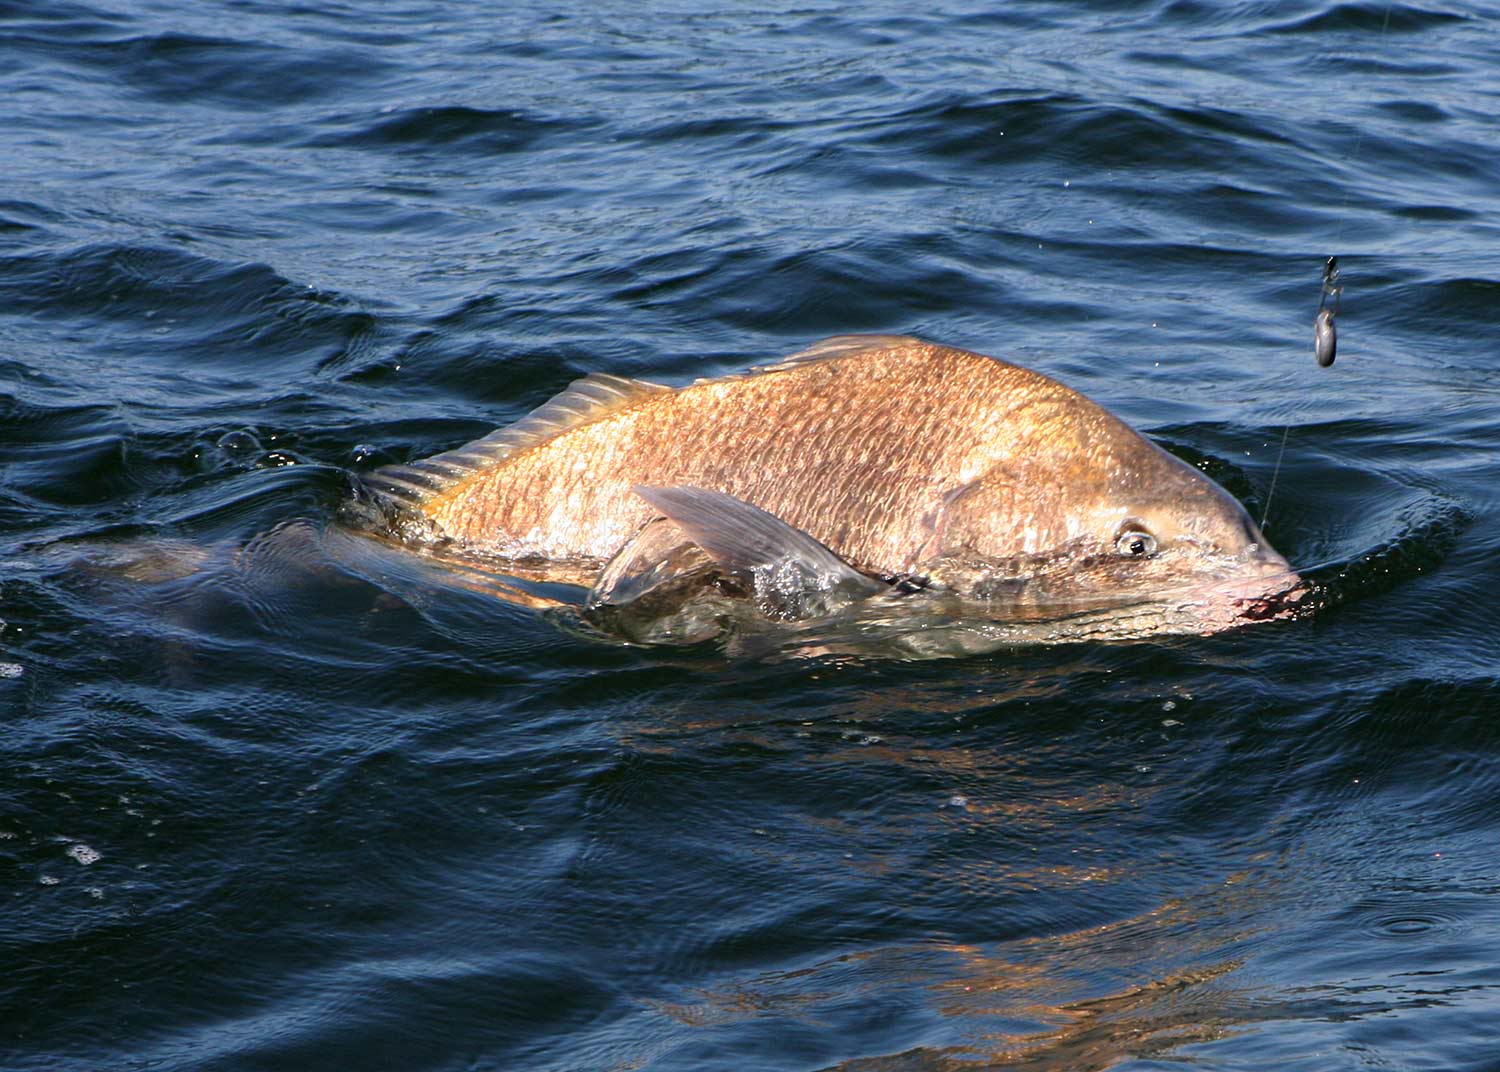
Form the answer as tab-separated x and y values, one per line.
1163	513
1123	525
1163	530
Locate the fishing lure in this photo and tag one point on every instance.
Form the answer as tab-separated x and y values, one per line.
1325	334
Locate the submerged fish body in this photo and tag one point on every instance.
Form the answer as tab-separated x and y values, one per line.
880	459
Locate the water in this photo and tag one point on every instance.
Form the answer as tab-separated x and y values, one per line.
272	799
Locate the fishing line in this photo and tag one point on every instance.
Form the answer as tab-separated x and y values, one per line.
1325	331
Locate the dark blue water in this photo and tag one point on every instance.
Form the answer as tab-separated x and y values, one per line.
270	799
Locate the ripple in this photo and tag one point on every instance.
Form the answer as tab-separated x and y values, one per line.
1428	532
1423	918
192	309
186	69
449	128
1372	16
1451	308
20	216
1016	130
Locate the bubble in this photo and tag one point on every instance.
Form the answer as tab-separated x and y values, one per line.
83	854
239	443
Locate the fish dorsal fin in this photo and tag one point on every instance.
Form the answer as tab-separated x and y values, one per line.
744	538
837	346
585	401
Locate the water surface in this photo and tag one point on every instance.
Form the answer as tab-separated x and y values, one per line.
270	799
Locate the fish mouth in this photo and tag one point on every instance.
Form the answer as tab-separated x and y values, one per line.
1264	588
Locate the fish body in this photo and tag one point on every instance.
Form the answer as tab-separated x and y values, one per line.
902	458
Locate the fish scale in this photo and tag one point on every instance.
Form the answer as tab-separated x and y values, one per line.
855	442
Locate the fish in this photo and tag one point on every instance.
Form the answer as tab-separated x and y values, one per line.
863	468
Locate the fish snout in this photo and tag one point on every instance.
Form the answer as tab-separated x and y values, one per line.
1263	561
1262	552
1265	587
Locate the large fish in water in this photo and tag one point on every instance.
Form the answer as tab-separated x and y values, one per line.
863	465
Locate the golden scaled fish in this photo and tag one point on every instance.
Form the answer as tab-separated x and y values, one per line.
885	458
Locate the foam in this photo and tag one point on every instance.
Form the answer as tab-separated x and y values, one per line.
83	854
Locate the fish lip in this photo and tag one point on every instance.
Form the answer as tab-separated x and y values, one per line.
1257	585
1289	602
1271	591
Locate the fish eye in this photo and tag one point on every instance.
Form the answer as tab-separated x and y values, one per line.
1135	543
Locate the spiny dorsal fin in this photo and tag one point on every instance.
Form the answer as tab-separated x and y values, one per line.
836	346
585	401
829	349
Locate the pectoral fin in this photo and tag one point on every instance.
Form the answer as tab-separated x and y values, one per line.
783	562
659	555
